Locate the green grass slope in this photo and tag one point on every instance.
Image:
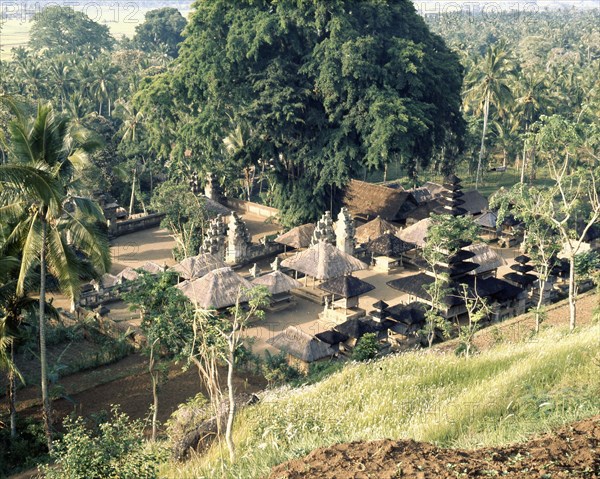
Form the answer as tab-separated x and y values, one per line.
500	396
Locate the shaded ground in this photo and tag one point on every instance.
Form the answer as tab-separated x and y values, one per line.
572	452
127	383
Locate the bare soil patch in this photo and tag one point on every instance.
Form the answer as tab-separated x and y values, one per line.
571	452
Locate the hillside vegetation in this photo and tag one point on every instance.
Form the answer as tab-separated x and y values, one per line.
500	396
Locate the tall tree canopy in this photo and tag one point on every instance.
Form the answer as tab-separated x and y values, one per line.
162	28
62	30
323	88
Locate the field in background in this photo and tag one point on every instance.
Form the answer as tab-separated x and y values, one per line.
121	19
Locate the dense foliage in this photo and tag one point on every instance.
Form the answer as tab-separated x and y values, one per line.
316	90
115	448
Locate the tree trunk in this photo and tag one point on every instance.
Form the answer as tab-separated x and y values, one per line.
231	416
486	111
100	108
153	375
572	292
132	192
47	412
12	393
542	283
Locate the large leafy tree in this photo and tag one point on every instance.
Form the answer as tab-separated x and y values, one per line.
162	26
329	87
48	222
62	30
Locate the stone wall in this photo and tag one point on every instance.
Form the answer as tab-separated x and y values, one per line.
121	228
251	207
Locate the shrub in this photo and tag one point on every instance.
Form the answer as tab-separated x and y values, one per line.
116	448
277	370
366	348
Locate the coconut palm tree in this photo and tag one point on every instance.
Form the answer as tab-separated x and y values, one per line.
130	131
47	220
487	85
13	307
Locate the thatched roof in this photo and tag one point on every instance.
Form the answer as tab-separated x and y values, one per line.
332	337
474	202
522	258
487	219
298	237
346	286
522	268
152	267
106	281
128	274
416	233
423	211
389	245
218	289
197	266
324	261
434	188
521	279
412	314
370	200
356	328
374	229
421	194
485	257
300	345
277	282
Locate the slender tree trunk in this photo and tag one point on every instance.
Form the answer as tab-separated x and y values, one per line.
12	393
486	111
231	416
572	292
47	411
132	192
542	283
153	375
109	107
524	158
100	108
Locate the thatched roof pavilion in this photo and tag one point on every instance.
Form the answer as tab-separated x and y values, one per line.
346	286
374	229
197	266
474	202
323	261
218	289
277	282
298	237
389	245
368	200
488	220
416	233
300	345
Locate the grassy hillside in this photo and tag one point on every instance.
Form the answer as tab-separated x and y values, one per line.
500	396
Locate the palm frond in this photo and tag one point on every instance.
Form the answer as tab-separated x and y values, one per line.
32	247
33	181
63	263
